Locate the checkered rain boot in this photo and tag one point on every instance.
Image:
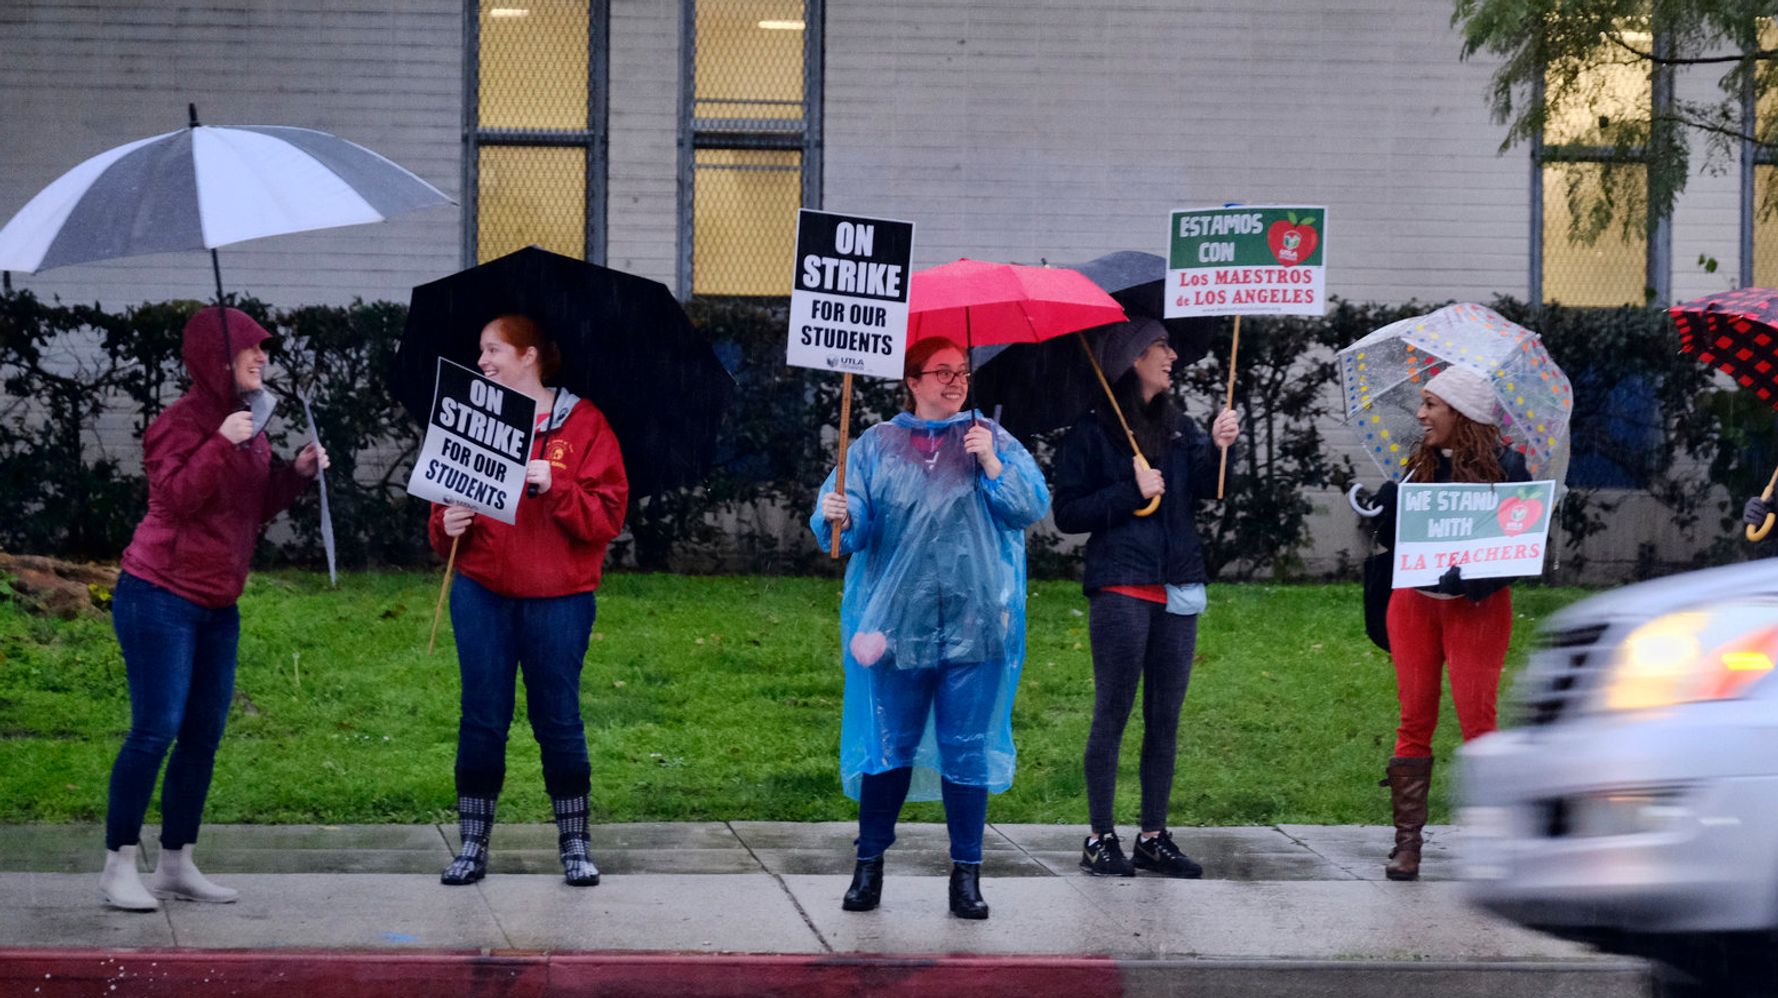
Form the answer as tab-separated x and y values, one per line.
571	839
475	822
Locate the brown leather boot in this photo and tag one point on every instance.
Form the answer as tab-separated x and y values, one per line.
1409	783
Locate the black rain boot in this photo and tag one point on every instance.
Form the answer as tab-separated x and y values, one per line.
966	891
866	891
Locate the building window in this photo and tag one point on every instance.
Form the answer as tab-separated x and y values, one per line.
750	129
534	98
1591	244
1759	177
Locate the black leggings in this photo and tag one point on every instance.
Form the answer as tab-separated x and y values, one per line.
1136	641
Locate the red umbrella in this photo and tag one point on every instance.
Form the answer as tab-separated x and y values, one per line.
1736	332
977	303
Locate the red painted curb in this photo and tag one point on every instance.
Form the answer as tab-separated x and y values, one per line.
65	973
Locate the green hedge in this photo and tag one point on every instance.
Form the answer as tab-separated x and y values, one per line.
66	370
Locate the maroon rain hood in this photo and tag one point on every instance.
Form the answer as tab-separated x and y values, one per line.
207	498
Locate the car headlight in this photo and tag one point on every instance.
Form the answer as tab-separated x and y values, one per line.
1699	654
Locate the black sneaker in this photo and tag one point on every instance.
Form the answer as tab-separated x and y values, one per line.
1105	858
1160	855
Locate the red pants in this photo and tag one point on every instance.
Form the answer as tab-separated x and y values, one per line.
1427	633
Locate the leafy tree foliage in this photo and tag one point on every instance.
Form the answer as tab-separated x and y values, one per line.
1559	58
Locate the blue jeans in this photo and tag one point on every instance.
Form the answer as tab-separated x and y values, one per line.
496	637
960	698
881	795
180	659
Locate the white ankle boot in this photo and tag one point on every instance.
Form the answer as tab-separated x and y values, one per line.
120	886
176	876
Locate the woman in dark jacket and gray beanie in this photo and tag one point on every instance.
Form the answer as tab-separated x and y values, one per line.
1144	580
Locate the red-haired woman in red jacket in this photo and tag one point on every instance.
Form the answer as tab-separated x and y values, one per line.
525	600
212	484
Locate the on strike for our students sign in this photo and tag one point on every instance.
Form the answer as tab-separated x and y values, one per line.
849	300
477	444
1247	260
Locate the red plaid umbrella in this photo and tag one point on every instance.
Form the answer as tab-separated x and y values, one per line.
1736	332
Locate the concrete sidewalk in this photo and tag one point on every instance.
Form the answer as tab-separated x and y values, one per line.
1288	909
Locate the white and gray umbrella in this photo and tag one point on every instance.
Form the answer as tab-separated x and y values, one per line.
202	187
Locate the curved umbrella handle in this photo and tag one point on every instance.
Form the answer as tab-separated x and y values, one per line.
1153	504
1362	510
1757	534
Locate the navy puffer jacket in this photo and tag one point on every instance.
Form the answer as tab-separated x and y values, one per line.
1095	493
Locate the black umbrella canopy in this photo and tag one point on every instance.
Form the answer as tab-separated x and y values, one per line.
1139	283
627	347
1042	386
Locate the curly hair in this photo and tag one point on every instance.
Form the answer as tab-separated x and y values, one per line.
1475	454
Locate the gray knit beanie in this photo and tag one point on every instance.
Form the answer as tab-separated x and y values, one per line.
1124	342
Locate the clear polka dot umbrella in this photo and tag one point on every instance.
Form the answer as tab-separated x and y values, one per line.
1382	374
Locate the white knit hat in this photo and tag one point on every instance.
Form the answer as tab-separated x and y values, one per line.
1467	392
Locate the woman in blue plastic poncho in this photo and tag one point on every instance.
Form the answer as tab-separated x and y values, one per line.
933	621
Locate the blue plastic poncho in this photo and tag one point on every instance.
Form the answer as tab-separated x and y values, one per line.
932	626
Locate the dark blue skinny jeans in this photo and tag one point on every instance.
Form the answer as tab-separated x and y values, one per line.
960	699
496	637
180	659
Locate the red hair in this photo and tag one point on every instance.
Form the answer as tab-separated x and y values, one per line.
921	351
523	334
914	361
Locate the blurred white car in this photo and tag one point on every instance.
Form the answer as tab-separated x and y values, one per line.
1634	803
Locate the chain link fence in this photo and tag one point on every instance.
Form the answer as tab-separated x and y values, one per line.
750	120
534	125
1612	269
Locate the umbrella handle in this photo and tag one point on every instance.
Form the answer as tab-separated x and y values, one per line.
1153	504
1365	511
1756	534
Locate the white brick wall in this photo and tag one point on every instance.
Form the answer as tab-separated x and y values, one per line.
81	77
1059	130
642	216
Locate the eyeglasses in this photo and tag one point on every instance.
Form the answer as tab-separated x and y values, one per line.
947	375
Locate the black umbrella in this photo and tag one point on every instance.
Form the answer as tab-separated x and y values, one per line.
627	347
1040	386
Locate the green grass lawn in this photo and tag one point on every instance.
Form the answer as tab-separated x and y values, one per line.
707	699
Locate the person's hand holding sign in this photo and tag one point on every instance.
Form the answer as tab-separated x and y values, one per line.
1226	428
457	519
312	460
537	478
237	429
980	442
833	510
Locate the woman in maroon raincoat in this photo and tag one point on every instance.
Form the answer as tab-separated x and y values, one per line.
212	485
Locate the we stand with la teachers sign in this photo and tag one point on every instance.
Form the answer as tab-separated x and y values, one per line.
1486	530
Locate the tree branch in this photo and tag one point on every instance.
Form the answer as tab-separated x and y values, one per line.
1757	55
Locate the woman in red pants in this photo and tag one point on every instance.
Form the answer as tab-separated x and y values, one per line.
1461	623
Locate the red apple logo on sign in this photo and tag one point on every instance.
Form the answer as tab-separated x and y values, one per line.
1517	515
1292	239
